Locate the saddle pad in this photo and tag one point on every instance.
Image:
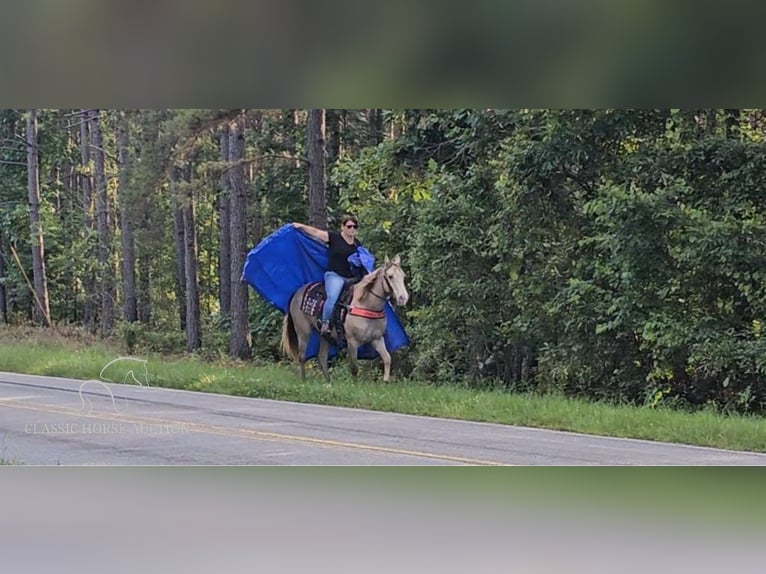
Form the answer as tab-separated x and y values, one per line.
313	299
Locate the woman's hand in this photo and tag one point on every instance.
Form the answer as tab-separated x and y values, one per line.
313	232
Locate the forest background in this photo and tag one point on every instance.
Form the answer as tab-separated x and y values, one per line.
613	255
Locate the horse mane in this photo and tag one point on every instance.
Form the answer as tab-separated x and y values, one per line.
368	280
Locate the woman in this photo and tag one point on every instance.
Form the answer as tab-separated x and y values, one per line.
341	246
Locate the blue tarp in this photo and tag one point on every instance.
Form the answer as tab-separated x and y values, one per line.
362	259
288	259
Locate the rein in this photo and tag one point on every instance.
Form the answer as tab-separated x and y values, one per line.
386	287
381	297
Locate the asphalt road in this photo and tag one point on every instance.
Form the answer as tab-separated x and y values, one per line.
52	421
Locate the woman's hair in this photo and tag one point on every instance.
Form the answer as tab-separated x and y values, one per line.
348	217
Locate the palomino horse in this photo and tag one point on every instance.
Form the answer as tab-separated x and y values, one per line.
364	323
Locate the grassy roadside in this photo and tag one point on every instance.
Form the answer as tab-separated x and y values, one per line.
75	355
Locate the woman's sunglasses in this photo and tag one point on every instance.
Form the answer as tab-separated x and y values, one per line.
352	225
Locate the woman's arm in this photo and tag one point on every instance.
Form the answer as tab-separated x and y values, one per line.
313	232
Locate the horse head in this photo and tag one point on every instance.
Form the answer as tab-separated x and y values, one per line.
393	279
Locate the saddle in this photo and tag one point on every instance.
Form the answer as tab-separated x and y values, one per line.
313	302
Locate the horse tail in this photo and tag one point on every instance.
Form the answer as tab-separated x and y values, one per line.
289	344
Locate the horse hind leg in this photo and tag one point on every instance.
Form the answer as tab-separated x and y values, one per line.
302	346
324	351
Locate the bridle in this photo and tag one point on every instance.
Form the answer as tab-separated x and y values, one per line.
387	289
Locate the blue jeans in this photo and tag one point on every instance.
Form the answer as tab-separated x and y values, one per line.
333	285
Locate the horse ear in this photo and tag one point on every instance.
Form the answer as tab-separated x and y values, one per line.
386	260
397	260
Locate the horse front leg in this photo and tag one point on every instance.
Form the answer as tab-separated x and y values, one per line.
380	346
353	347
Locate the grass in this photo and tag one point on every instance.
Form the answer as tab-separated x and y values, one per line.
70	353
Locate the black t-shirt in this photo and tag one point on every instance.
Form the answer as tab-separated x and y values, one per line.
337	257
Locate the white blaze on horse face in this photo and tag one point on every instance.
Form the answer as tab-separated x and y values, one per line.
395	277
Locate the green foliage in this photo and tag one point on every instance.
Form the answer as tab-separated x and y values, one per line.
616	255
265	330
620	251
137	338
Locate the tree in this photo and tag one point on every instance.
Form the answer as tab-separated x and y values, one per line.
180	249
104	252
3	296
191	263
130	312
224	226
86	185
41	308
375	120
154	214
240	340
332	154
315	146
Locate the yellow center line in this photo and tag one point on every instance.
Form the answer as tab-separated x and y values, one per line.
245	433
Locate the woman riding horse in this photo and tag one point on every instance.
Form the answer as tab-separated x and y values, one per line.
364	323
341	246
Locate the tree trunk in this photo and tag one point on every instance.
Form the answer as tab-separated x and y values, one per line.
106	276
255	207
149	173
224	222
143	299
178	220
292	139
3	297
315	147
376	125
240	332
332	129
69	211
711	121
193	328
732	122
86	184
397	126
42	309
130	312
